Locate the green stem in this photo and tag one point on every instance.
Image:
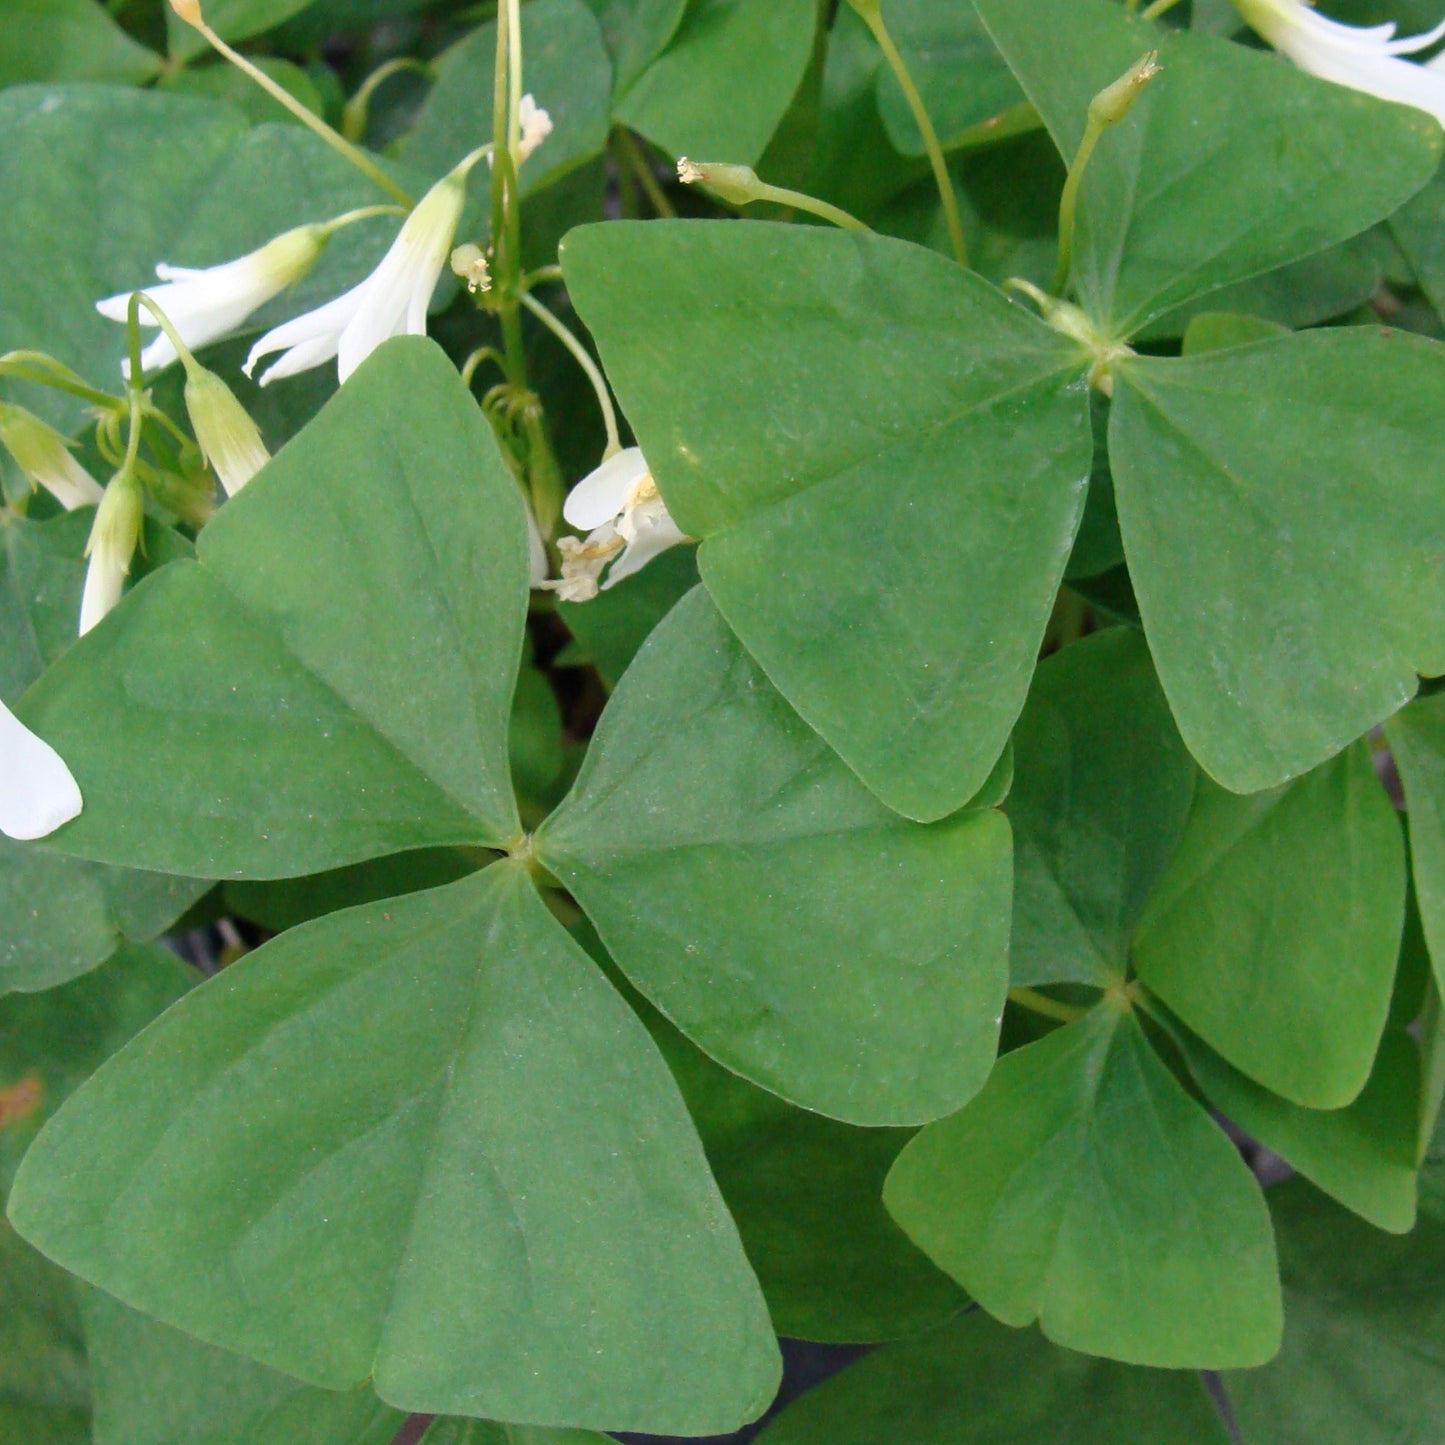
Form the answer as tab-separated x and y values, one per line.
139	299
1040	1003
23	371
514	76
355	112
646	177
309	119
872	15
824	210
565	336
542	276
1158	8
1069	204
481	354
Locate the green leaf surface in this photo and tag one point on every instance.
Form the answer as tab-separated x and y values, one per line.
1102	791
223	81
1418	228
787	922
1275	933
636	32
1363	1361
63	917
1417	741
50	1043
42	576
44	1396
68	40
1085	1189
453	1431
422	1141
975	1382
1284	525
153	1385
567	72
232	20
807	1194
721	88
1220	330
1363	1155
331	680
837	405
1230	164
957	68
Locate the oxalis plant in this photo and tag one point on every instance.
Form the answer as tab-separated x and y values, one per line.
917	825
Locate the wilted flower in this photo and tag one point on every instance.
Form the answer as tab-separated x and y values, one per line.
627	525
37	791
44	456
209	304
113	539
1364	57
392	301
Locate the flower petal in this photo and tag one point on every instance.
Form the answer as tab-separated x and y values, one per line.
602	493
37	791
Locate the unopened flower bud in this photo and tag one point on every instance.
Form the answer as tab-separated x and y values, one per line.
229	440
191	496
470	264
113	539
1115	101
44	456
189	11
733	185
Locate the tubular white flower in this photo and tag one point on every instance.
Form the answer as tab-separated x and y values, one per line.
44	456
37	791
392	301
112	544
536	126
627	525
209	304
229	440
1366	58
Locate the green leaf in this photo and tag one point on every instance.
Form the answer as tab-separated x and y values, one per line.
721	88
1417	741
976	1383
837	405
1417	230
51	1043
567	72
1103	788
232	20
955	65
76	914
1365	1327
153	1385
1363	1155
488	1432
1275	932
69	40
636	33
44	1397
1284	522
223	81
422	1141
1306	162
331	680
1085	1189
42	576
139	159
807	1194
1220	330
787	922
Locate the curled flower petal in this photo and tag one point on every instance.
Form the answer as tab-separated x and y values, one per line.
37	791
602	493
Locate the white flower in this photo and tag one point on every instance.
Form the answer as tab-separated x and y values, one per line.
113	538
627	525
228	438
37	791
536	126
392	301
209	304
44	456
1364	57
